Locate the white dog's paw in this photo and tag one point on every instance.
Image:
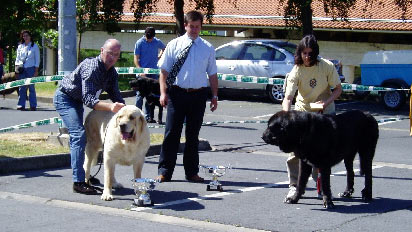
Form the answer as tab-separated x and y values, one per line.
106	196
117	185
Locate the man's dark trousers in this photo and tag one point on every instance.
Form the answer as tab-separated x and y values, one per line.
182	105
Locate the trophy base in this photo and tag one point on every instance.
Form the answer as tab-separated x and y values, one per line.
143	201
214	187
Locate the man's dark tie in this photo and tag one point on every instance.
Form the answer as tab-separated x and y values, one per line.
181	58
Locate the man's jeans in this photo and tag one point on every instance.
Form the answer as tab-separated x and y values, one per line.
139	104
71	112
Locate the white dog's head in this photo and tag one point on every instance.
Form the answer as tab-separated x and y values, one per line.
130	121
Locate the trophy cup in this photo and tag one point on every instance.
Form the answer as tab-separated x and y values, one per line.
215	172
142	186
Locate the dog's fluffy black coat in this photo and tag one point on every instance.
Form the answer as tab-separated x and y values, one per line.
150	89
323	141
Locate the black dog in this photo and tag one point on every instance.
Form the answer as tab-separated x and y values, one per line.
323	141
150	89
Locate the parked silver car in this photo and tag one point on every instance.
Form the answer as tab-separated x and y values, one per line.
262	58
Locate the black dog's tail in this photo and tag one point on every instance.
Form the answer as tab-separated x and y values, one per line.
367	149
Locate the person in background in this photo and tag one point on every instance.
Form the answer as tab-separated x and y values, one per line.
2	55
28	59
313	78
146	55
83	86
186	66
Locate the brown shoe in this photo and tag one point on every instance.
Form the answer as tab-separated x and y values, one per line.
162	178
196	178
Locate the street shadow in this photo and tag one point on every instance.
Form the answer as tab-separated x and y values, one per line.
234	147
249	184
37	173
378	177
378	205
177	200
231	127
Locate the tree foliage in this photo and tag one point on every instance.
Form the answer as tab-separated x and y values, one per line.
18	15
142	8
298	13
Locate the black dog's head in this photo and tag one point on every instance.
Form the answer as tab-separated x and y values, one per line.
145	86
283	131
148	88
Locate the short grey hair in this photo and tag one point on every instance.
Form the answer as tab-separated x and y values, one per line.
112	42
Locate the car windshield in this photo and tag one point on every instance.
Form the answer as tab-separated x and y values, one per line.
288	47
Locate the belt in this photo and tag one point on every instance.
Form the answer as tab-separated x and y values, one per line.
188	90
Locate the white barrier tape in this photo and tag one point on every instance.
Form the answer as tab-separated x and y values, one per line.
134	70
59	121
29	81
225	77
255	79
33	124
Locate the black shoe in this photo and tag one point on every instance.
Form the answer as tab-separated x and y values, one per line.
83	188
33	108
151	120
21	108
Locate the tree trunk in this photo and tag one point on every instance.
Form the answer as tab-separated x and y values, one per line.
307	19
179	14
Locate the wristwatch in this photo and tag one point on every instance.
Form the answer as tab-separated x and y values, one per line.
216	98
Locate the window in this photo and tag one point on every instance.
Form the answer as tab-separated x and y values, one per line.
230	52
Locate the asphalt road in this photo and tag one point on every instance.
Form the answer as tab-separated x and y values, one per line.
254	188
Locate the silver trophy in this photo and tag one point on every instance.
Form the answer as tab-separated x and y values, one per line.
215	172
142	186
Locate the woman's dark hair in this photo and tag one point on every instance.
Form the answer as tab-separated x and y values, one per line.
193	16
29	33
309	41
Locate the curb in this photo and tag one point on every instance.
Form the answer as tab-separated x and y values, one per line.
11	165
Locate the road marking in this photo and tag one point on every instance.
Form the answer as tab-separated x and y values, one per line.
393	129
170	220
393	165
263	116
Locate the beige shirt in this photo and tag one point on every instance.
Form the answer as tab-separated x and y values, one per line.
313	84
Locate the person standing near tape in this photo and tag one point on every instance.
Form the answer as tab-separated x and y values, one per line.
186	66
146	55
27	65
313	78
2	56
84	86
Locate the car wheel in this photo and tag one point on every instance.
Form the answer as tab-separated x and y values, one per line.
275	93
393	100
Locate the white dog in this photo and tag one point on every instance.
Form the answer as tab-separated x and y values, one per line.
124	138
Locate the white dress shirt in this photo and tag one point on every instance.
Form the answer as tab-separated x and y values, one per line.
199	63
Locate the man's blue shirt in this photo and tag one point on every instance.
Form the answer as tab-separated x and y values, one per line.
148	51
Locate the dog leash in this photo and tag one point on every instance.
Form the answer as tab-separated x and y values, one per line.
101	159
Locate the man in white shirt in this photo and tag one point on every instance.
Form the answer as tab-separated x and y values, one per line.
186	97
